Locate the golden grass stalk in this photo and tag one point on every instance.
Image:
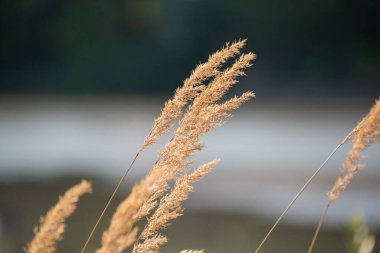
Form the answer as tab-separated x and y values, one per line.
347	138
169	209
202	115
319	226
52	226
192	86
173	108
298	194
121	233
366	133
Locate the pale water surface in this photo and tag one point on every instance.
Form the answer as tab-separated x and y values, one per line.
268	150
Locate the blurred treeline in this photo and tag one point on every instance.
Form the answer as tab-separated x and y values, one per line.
149	46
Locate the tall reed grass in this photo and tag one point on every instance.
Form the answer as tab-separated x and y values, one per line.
198	108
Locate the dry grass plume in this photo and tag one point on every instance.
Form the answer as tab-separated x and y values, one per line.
366	133
203	114
198	108
52	226
168	209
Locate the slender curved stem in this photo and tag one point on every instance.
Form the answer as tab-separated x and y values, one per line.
299	193
110	200
318	228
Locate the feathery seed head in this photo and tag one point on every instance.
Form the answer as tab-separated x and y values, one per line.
192	86
152	197
366	133
52	226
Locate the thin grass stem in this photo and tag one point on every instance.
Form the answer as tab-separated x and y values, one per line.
299	193
318	228
109	201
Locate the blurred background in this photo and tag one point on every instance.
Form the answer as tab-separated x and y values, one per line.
82	81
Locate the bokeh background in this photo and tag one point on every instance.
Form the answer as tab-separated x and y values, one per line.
82	81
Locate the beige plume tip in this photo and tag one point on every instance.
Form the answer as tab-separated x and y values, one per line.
52	226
